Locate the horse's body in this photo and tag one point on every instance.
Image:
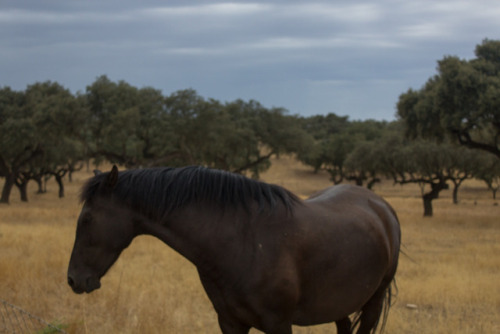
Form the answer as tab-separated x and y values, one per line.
265	258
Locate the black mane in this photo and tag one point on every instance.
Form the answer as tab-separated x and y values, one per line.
157	191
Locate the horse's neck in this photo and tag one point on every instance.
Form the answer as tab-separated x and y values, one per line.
204	235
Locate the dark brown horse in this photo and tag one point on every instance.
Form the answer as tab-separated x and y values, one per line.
265	258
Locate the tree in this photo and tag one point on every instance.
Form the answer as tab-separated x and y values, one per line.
18	140
58	118
154	130
140	127
418	162
38	135
198	129
489	172
363	165
113	120
362	162
321	128
462	164
335	150
462	101
237	136
335	139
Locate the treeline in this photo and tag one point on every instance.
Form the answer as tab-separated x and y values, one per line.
365	151
46	131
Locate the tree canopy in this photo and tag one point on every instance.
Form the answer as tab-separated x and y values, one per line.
461	101
45	130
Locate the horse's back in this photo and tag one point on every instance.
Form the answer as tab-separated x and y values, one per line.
343	194
353	202
348	204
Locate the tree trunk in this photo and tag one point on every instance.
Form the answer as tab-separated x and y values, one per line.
41	188
455	194
7	187
427	206
23	190
372	182
336	176
456	184
21	182
61	184
431	195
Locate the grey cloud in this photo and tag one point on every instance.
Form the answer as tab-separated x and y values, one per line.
348	57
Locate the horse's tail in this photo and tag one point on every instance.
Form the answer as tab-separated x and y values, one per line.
387	302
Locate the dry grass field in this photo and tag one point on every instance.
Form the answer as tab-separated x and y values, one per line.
450	270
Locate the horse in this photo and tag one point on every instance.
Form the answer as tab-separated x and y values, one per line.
266	259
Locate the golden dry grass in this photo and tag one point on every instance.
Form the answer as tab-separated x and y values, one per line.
450	268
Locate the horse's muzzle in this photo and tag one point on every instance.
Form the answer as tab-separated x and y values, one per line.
88	285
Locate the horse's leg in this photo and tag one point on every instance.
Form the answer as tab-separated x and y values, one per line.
343	326
229	326
371	312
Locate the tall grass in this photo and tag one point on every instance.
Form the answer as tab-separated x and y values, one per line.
448	273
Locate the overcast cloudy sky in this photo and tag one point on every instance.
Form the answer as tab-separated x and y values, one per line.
311	57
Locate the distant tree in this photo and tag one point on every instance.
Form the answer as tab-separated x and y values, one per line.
39	130
154	130
462	164
321	128
18	140
113	121
335	149
362	164
199	131
424	163
489	172
335	139
58	118
237	136
462	101
140	127
279	132
428	164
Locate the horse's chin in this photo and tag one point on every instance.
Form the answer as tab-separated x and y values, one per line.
92	284
78	291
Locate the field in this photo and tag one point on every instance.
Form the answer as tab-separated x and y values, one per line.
448	279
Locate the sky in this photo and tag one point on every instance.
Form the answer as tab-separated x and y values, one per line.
350	58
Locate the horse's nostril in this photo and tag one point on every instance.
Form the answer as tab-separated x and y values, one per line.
71	282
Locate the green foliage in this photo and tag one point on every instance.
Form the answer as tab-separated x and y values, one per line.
46	130
363	163
335	141
462	101
489	172
55	327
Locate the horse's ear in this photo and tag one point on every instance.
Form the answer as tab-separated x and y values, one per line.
111	179
97	172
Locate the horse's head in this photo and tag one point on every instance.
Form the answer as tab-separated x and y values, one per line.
103	230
